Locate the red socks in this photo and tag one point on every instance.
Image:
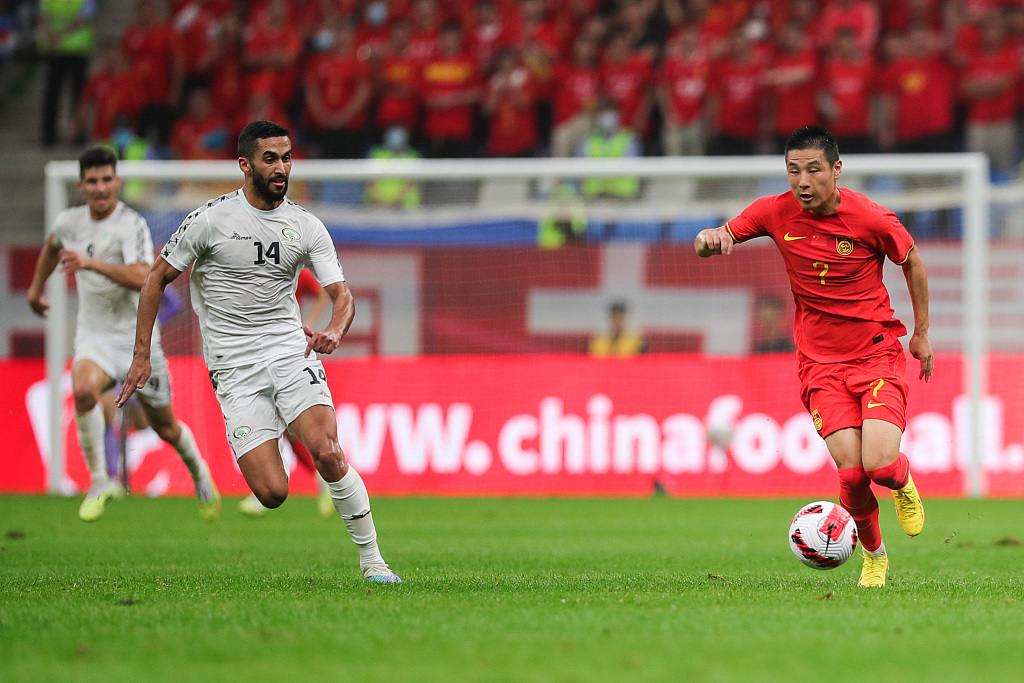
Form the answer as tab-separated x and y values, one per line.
856	496
892	476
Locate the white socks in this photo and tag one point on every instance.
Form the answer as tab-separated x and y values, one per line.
189	452
91	426
878	552
353	504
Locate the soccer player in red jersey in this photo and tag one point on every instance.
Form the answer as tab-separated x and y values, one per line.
833	242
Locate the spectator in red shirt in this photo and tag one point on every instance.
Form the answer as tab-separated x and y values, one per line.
490	31
111	92
682	90
792	86
900	15
575	98
198	24
202	132
398	79
918	99
374	29
626	79
859	15
511	108
426	20
540	29
450	92
151	47
272	48
988	84
735	102
227	83
260	106
338	96
849	78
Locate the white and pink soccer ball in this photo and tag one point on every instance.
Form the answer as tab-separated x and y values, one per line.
823	535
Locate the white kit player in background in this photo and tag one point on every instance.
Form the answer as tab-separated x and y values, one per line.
246	249
108	247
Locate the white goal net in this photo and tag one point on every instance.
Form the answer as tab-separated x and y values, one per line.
482	276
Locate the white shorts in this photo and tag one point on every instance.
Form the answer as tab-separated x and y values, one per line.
259	401
115	358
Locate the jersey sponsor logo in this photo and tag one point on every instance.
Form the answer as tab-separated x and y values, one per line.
816	416
844	246
242	432
790	238
291	235
236	236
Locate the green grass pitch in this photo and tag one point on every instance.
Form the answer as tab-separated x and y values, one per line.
501	590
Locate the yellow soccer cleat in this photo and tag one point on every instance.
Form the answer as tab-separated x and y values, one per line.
872	574
96	499
251	507
208	496
909	508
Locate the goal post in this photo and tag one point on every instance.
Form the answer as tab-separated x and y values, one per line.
687	191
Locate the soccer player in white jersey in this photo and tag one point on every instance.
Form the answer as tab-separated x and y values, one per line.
108	247
246	249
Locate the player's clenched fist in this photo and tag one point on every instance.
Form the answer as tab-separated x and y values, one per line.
712	242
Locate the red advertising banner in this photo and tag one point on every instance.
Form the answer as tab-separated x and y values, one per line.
545	425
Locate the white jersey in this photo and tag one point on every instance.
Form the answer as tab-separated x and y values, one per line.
105	308
246	267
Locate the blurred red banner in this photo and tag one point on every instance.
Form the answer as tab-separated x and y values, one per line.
553	425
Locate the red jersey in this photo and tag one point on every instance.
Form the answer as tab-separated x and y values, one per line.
862	18
449	76
335	79
513	123
834	264
796	104
197	26
986	68
263	40
849	86
739	108
151	50
923	88
686	81
200	138
577	90
308	285
112	95
399	99
626	84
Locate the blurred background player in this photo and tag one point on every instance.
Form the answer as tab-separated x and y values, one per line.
254	342
108	247
619	340
852	364
310	290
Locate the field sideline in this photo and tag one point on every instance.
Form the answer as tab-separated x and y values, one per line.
501	590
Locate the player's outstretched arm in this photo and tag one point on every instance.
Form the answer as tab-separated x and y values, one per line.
712	242
917	285
160	275
49	257
342	312
131	275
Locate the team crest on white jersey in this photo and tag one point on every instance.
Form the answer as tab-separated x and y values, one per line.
291	235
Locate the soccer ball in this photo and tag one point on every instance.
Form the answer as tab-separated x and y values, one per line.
822	535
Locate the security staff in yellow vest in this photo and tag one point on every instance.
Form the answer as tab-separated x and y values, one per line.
609	140
618	340
65	38
564	221
393	192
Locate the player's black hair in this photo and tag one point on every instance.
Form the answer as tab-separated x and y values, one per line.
248	141
96	157
814	137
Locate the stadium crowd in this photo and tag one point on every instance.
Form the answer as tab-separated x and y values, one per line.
463	78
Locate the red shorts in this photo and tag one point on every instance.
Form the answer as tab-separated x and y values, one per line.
841	395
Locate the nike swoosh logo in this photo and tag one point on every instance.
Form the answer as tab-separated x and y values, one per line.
790	239
872	404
